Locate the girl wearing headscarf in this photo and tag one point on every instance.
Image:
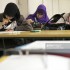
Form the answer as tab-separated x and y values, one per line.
39	16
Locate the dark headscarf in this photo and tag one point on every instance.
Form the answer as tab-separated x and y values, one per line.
12	10
44	19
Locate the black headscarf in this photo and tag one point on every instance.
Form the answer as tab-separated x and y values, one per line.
12	10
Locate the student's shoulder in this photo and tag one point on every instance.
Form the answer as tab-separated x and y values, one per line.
21	16
1	14
1	17
29	16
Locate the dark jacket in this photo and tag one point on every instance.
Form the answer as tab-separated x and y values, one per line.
21	24
11	42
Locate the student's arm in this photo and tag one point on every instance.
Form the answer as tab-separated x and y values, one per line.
23	25
29	21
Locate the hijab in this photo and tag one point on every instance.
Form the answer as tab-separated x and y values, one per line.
41	8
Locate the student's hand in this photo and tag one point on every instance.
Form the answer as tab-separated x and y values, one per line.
29	21
9	30
5	21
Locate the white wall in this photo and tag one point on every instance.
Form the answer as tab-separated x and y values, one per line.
53	6
57	6
32	5
64	6
49	6
29	6
4	2
23	7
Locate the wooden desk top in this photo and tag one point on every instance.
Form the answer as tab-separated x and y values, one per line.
46	33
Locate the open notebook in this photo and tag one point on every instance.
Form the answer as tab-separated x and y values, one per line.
35	62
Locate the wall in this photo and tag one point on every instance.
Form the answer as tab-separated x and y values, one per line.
4	2
23	7
32	5
49	7
29	6
64	6
53	6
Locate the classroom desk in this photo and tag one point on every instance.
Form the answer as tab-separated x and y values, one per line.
43	47
41	34
60	47
35	62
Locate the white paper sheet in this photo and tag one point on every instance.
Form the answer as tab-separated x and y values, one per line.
10	32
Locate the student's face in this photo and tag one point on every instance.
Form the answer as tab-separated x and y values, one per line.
39	15
7	19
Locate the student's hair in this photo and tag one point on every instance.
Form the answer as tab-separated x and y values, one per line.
12	10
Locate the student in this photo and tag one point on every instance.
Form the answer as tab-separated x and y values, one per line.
40	15
11	19
68	18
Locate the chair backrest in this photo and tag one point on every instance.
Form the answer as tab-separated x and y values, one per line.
56	17
53	20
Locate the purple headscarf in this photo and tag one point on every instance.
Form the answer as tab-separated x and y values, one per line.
44	19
